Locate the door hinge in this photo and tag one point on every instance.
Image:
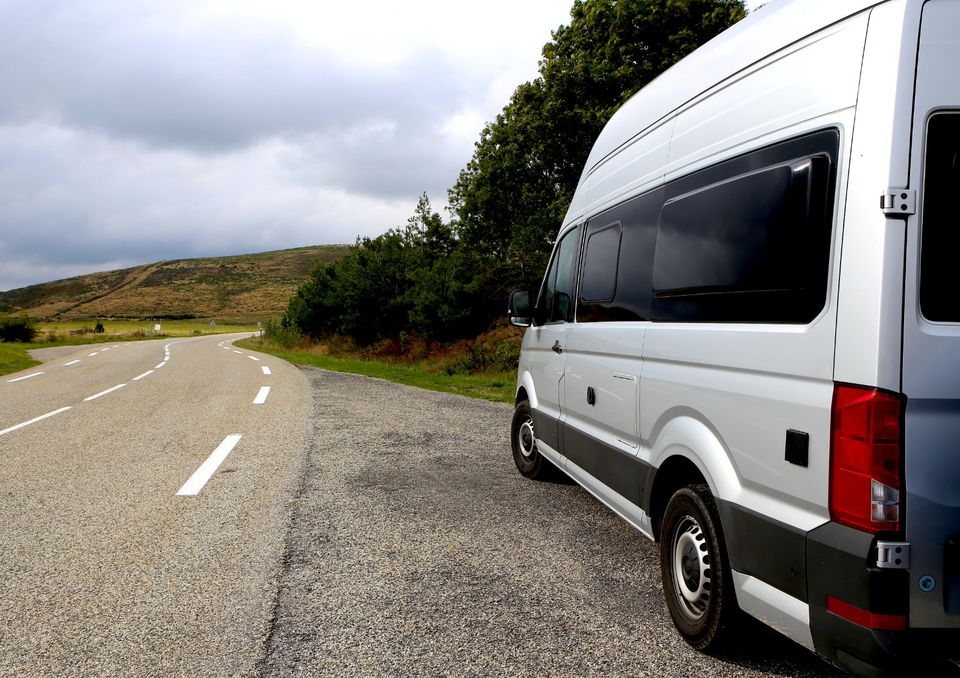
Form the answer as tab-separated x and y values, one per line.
893	555
899	201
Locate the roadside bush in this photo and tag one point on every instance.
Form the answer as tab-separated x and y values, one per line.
282	333
18	328
98	328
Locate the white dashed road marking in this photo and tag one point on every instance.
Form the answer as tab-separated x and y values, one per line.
72	362
93	354
262	395
240	352
29	376
266	370
103	393
33	421
207	468
253	358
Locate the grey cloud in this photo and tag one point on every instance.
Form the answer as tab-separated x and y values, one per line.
107	67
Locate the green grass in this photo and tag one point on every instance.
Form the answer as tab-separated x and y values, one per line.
497	387
14	357
70	332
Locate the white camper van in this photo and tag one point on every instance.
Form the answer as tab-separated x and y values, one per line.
747	341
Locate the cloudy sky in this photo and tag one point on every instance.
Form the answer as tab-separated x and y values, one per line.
133	132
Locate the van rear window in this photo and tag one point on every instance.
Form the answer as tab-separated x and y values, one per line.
939	229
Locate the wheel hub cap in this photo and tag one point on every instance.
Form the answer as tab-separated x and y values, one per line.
691	561
527	439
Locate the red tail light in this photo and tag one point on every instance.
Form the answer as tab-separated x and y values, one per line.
865	458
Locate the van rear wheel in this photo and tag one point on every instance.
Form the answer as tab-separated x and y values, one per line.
523	438
696	575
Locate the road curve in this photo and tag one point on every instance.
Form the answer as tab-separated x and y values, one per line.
111	561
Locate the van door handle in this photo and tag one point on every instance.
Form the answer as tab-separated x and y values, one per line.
556	347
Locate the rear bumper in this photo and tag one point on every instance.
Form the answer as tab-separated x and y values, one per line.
838	560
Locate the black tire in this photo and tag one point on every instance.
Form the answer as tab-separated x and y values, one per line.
696	574
526	456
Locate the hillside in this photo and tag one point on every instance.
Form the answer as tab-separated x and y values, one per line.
245	287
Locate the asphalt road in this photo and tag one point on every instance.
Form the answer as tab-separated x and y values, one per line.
357	527
104	568
417	549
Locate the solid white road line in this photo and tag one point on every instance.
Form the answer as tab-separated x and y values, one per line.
145	374
266	370
29	376
103	393
254	358
207	468
262	395
33	421
72	362
159	366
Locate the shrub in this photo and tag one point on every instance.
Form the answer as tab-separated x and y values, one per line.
18	328
98	328
282	333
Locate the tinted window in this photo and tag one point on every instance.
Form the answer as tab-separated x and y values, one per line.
625	282
940	232
749	239
598	280
556	297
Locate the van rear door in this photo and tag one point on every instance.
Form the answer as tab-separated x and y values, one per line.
931	332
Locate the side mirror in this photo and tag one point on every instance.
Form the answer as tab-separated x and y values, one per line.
519	309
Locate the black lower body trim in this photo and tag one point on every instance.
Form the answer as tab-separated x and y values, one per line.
622	472
765	548
547	428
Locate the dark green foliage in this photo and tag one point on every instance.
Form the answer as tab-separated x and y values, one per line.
98	328
450	280
18	328
282	333
417	279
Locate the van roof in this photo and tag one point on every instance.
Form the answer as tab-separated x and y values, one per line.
764	31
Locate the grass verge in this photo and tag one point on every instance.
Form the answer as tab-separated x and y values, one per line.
494	386
14	357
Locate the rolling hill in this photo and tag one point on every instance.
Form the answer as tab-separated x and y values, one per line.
242	288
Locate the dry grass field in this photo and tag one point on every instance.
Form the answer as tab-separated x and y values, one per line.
244	288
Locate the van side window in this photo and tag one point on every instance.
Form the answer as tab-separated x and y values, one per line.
749	240
556	297
618	261
939	234
598	280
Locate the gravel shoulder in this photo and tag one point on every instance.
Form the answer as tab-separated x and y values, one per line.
417	549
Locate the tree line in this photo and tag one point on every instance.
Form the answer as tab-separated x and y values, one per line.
448	279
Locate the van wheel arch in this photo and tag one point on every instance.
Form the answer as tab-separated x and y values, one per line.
674	473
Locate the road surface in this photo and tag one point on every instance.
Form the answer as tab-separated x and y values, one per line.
165	514
111	561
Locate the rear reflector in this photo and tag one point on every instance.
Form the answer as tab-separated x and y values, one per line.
866	618
865	458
